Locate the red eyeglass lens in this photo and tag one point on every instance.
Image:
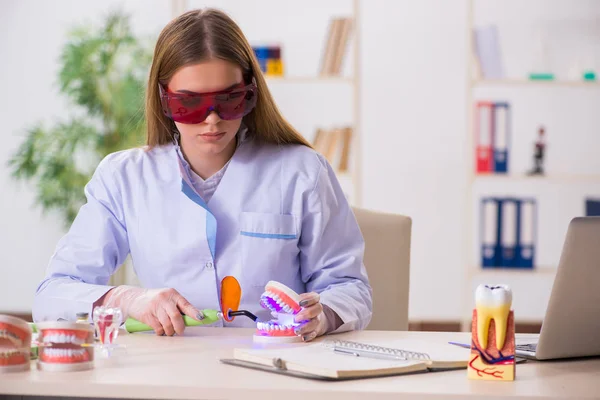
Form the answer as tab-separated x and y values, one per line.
194	108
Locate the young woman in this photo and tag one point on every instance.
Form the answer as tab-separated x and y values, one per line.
225	186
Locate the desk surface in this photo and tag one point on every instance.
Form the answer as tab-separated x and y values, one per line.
188	366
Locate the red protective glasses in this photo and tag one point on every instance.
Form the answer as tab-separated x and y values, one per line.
193	108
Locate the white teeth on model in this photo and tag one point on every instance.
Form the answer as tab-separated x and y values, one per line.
62	338
272	326
64	352
492	302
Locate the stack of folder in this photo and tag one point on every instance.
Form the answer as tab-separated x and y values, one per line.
492	127
508	232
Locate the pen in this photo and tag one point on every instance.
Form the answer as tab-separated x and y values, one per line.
368	354
466	346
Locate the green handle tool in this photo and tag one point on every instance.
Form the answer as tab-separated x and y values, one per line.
210	316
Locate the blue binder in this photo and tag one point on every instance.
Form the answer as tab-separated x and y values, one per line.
262	55
508	232
490	232
592	207
501	133
527	233
509	222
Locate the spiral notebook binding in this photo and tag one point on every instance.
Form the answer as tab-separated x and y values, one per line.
375	350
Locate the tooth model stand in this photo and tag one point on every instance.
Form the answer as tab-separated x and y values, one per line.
283	303
15	344
493	335
65	346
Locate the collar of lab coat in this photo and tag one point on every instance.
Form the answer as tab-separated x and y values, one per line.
184	166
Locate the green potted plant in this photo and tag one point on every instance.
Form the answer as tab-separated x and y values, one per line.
102	72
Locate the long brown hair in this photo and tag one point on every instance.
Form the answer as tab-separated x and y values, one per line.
200	35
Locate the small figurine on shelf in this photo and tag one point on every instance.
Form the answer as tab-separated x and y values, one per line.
538	155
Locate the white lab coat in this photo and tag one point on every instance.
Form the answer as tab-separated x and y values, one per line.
277	214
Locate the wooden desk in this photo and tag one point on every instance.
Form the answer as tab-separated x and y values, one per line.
188	367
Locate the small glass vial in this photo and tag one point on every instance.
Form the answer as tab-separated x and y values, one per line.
82	317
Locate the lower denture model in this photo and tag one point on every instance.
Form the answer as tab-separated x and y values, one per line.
283	303
15	344
65	346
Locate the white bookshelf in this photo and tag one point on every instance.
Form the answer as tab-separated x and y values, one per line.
310	79
548	178
542	275
534	84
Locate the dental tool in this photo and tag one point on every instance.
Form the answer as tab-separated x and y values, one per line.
231	294
493	335
210	317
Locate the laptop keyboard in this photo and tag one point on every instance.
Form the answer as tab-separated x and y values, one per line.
526	347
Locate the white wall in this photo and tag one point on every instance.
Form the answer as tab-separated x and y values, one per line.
413	120
29	50
414	71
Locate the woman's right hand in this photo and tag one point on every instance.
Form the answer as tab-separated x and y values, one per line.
161	309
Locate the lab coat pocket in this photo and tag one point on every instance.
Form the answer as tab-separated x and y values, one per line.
269	247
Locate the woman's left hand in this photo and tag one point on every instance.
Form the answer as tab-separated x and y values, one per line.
311	317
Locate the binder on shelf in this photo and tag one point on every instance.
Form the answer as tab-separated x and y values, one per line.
487	49
508	232
484	126
492	132
501	121
509	245
490	232
527	221
334	143
592	207
336	44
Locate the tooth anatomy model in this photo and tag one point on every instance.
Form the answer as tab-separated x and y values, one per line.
65	346
15	344
493	335
283	303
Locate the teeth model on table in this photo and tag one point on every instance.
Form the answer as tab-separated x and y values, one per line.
15	344
65	346
283	303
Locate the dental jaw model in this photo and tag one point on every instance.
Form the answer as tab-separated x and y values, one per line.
15	344
283	303
493	335
65	346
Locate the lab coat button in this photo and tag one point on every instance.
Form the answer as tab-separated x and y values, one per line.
209	265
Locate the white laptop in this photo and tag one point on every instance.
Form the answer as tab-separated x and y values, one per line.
571	327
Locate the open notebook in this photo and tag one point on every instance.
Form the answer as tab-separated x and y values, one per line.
336	359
